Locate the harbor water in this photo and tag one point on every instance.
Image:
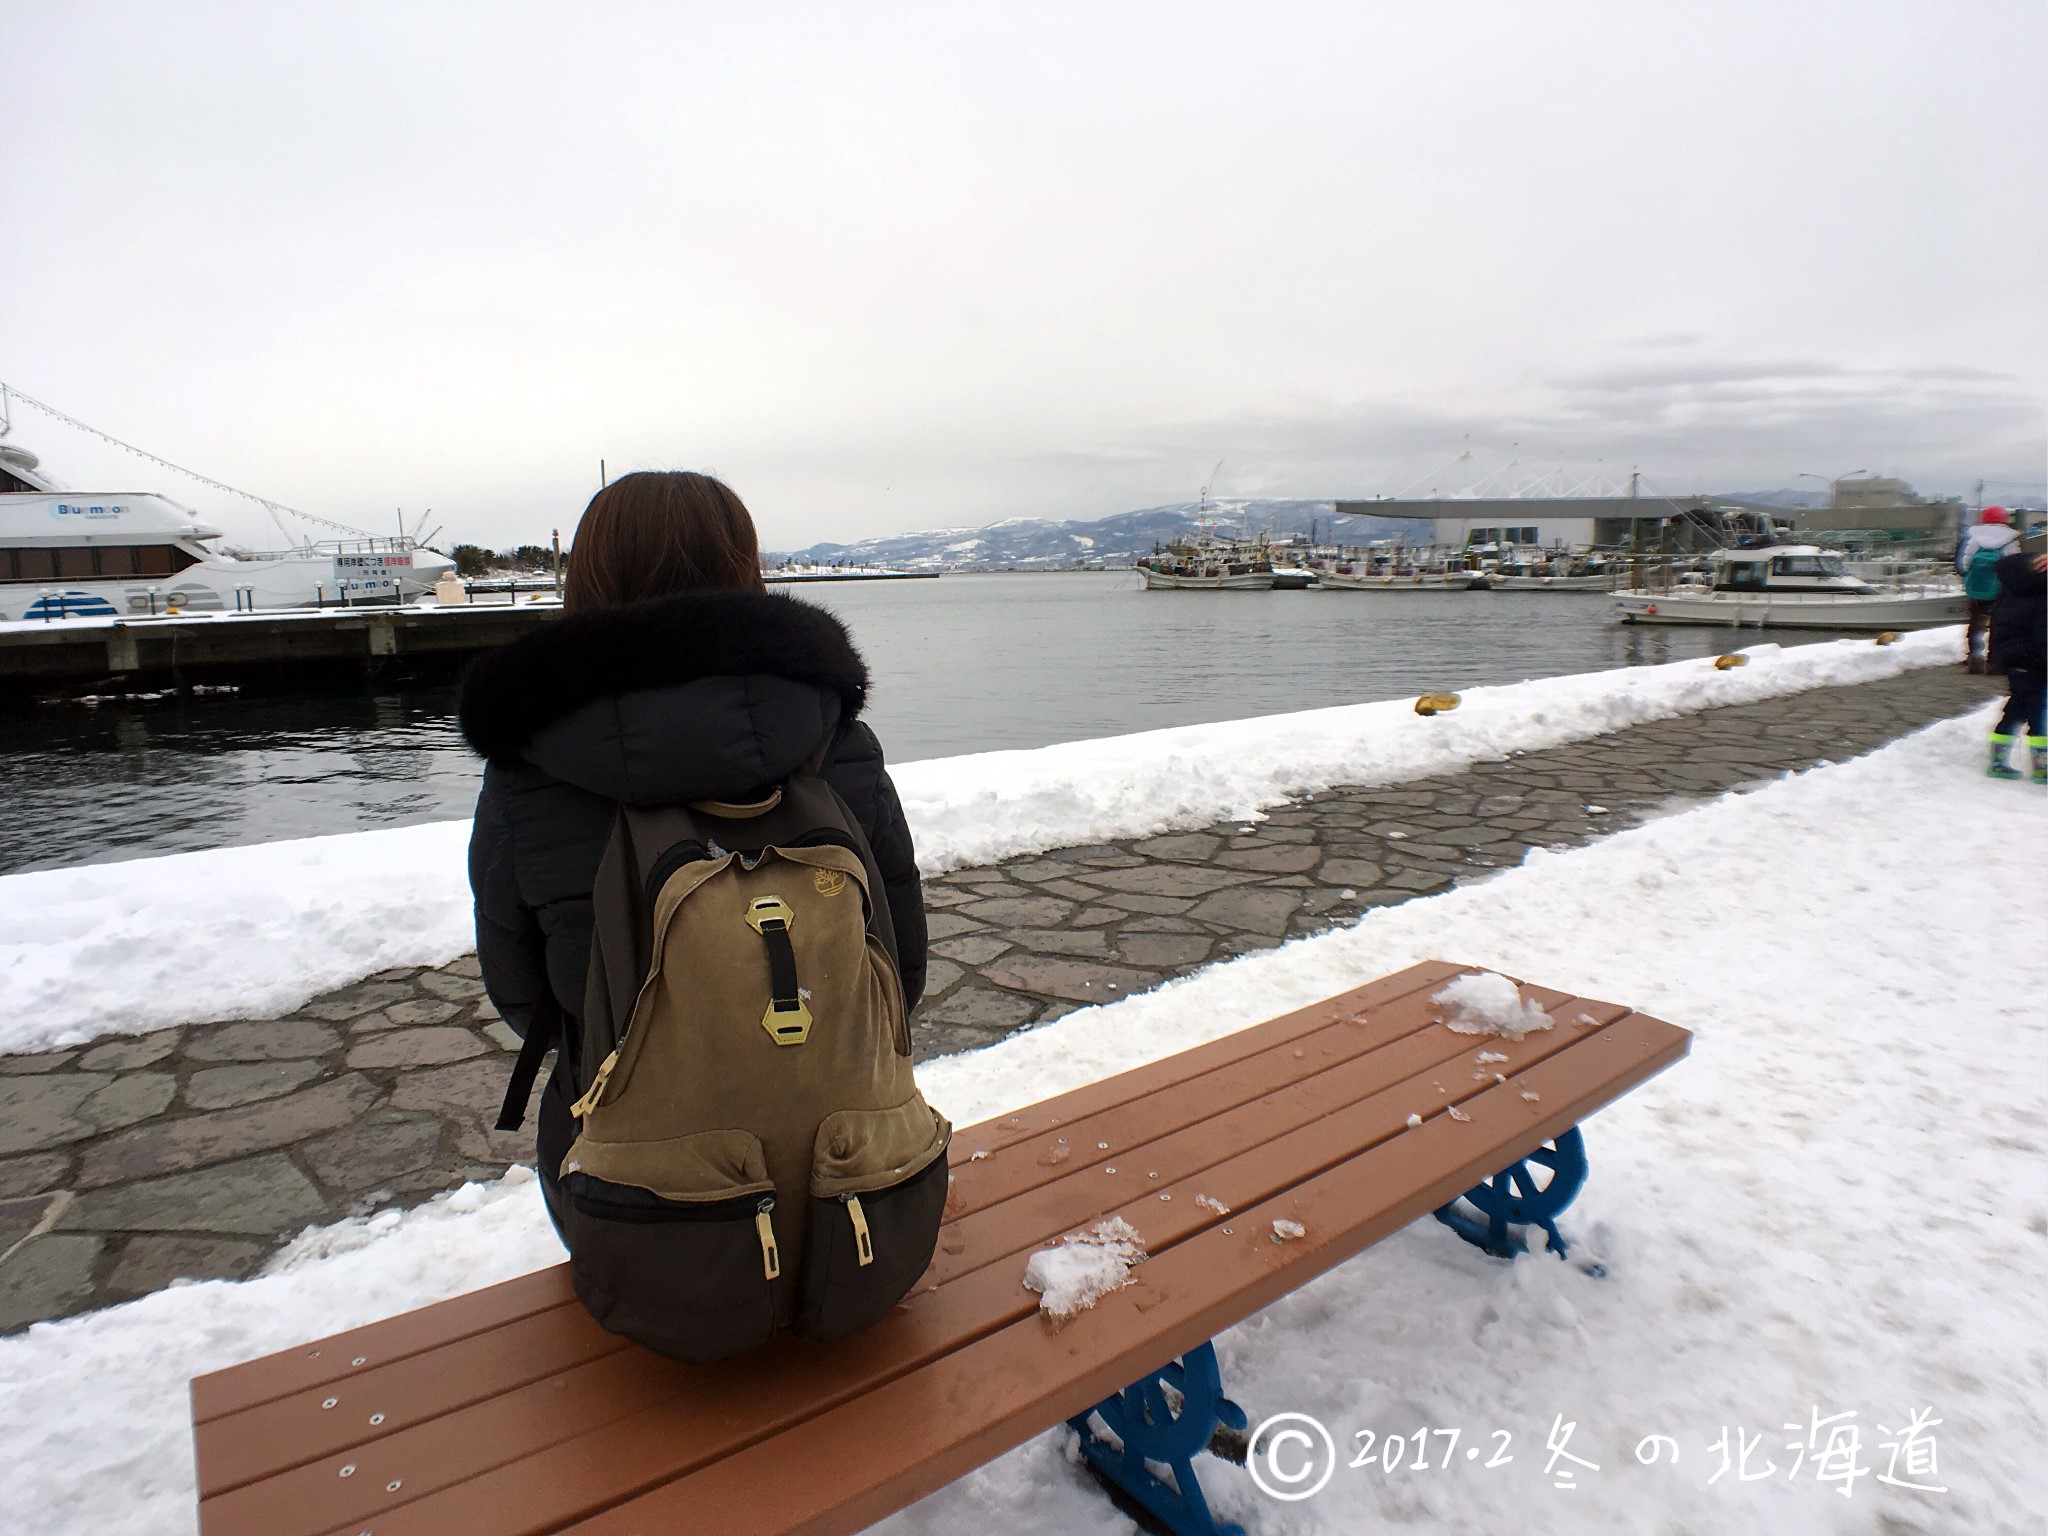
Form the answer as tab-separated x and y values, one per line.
966	663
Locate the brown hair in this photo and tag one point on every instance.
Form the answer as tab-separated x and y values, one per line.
654	534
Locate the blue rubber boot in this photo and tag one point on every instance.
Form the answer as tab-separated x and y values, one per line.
2001	749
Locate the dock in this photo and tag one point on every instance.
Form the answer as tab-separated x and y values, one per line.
182	650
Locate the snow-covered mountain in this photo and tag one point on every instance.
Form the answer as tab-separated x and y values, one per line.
1036	543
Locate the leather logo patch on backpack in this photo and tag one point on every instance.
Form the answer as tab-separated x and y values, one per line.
828	882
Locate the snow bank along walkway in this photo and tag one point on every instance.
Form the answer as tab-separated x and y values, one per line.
197	1150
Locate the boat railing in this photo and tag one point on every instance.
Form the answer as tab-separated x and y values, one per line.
392	544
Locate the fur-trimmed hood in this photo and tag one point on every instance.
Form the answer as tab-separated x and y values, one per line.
703	695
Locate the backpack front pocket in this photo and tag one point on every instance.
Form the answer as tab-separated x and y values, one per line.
689	1272
878	1194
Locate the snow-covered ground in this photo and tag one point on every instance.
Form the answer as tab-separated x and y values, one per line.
1835	1205
255	932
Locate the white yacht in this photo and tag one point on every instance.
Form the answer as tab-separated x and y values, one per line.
1793	586
66	554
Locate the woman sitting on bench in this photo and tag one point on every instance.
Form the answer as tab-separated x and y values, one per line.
673	680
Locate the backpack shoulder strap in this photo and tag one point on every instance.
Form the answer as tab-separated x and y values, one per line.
540	1039
619	947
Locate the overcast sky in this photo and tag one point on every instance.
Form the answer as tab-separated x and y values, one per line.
886	267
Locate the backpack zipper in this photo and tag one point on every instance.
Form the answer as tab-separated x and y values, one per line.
588	1102
689	851
863	1241
764	1228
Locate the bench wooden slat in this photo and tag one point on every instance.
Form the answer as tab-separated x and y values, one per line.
413	1390
920	1432
1150	1077
1404	1072
1351	1039
449	1378
702	1421
331	1359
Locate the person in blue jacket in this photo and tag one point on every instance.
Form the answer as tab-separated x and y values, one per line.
1977	557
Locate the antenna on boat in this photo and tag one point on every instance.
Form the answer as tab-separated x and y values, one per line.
1202	507
7	419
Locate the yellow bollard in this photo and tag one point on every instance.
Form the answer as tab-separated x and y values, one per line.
1888	638
1732	659
1436	703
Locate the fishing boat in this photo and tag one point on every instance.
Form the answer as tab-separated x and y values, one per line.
1792	586
1558	574
1341	571
1292	576
1209	562
1206	563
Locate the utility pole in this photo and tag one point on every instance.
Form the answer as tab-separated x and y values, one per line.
556	538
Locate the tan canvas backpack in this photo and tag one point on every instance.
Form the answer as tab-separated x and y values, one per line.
752	1151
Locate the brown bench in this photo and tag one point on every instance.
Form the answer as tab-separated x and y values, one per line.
509	1411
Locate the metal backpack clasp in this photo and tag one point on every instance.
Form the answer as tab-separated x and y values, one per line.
788	1018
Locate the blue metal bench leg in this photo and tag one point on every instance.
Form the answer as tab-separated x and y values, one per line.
1512	1198
1164	1421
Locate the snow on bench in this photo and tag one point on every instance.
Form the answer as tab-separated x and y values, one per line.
1202	1187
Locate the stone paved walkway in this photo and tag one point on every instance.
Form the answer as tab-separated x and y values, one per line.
195	1152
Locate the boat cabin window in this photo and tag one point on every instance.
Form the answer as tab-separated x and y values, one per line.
12	483
1744	575
98	562
1806	565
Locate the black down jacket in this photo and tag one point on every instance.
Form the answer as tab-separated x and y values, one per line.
2019	620
704	696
